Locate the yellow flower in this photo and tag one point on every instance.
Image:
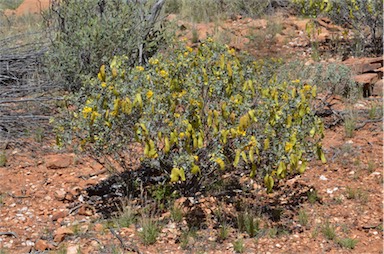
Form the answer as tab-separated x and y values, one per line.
139	68
163	73
86	111
153	61
149	94
103	85
95	114
307	88
231	51
189	48
288	147
177	115
182	135
296	81
182	93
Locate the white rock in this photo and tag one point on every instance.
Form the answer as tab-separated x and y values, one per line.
323	178
29	243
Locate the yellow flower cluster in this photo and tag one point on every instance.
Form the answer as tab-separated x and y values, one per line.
163	73
153	61
86	111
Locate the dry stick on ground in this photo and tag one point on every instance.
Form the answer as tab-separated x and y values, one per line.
366	122
123	245
85	177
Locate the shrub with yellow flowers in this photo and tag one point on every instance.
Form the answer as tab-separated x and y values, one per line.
197	112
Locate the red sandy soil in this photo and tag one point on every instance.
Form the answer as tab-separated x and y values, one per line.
29	6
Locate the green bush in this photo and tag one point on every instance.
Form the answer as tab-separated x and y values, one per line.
196	113
212	10
87	33
9	4
363	18
332	78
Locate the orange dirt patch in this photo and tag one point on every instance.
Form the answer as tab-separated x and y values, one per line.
29	7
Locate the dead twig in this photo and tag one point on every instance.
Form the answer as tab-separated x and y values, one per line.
123	245
85	177
366	122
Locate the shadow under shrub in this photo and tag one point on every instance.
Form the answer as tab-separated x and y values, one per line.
88	33
193	113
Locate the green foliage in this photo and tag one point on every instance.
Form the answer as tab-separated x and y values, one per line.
357	194
212	10
187	237
312	196
332	78
350	125
223	232
3	159
86	34
126	217
9	4
348	243
197	113
375	111
362	17
303	217
150	231
246	222
328	231
238	246
177	213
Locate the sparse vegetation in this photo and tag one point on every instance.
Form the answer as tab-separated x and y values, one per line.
177	213
150	230
371	166
126	217
350	125
347	243
328	231
375	111
303	217
238	246
186	237
357	194
3	159
312	196
223	231
251	225
9	4
272	232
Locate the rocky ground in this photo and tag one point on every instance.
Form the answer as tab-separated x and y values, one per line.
45	206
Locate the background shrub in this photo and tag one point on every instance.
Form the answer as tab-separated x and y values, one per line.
196	112
212	10
364	19
88	33
332	78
